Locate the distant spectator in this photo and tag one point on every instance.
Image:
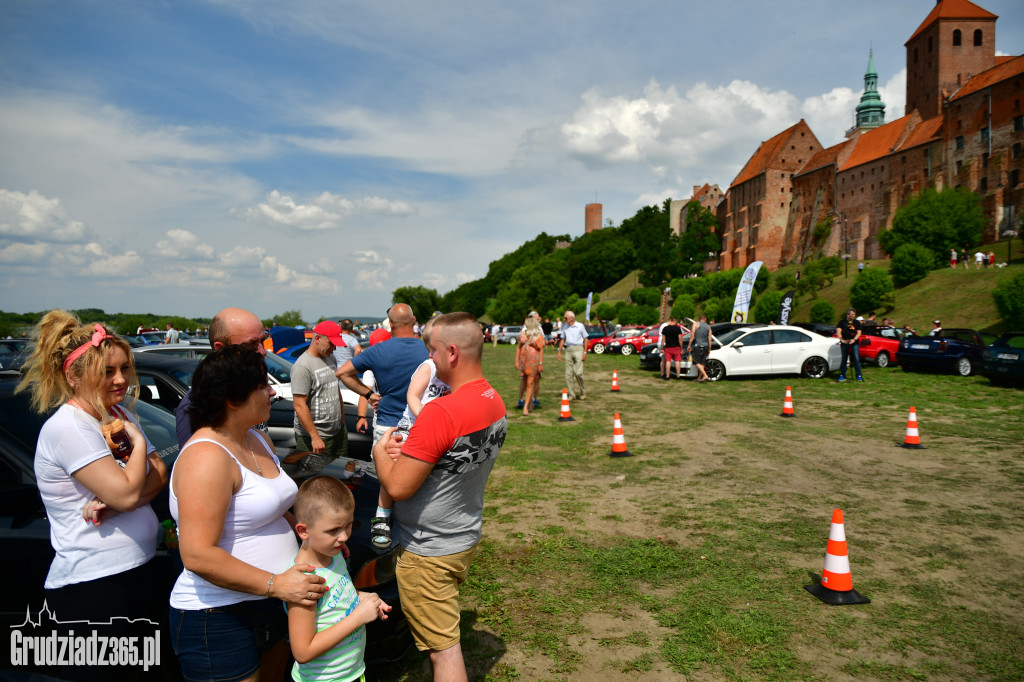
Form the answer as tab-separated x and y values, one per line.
991	259
860	267
495	331
952	258
979	257
172	334
870	324
343	354
936	328
848	330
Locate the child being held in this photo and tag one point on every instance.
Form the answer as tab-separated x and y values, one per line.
328	639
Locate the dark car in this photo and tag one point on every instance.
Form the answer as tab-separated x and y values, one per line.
818	327
1003	361
25	532
952	350
14	352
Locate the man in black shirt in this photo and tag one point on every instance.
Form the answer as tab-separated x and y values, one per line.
848	330
670	334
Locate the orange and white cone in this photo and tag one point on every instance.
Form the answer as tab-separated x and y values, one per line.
913	438
618	440
565	415
615	380
787	404
836	587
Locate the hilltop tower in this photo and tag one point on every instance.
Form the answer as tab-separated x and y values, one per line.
955	41
593	218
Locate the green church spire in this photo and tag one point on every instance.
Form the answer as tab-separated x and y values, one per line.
871	110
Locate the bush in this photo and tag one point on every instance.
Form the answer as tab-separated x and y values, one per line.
649	296
873	289
638	314
1009	298
718	309
606	311
767	308
823	312
910	263
684	306
784	281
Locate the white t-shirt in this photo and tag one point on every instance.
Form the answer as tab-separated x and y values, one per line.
68	441
435	389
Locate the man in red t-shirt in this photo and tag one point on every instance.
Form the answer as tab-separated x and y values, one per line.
437	478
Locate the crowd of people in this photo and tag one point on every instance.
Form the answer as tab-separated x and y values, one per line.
262	557
981	259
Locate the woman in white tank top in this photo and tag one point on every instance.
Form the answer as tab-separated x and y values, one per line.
231	501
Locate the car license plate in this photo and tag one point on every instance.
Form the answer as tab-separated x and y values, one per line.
1008	356
919	346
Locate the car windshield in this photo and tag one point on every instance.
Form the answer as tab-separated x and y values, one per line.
279	368
183	375
730	336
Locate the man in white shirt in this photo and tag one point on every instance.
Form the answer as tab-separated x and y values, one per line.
574	342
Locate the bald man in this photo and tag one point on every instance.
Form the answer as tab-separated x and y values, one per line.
437	478
231	326
574	343
392	363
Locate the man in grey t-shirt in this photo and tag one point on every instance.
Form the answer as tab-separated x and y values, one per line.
319	411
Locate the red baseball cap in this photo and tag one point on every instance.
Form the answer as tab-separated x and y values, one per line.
332	331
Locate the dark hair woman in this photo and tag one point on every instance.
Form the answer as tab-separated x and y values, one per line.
102	528
231	500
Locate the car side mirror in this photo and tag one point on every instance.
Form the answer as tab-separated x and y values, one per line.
738	344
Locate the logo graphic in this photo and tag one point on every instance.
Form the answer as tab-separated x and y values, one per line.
50	641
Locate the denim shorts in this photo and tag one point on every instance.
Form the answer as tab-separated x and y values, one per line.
224	644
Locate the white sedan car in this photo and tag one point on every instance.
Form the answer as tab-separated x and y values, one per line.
772	349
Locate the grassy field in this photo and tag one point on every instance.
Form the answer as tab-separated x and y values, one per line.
689	560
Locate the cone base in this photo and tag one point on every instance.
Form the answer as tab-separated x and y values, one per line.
627	453
789	416
912	446
614	390
834	598
566	419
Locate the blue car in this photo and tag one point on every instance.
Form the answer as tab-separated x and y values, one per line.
952	350
292	353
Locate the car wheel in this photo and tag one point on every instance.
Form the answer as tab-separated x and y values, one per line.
964	367
512	342
715	370
815	367
598	348
628	349
882	359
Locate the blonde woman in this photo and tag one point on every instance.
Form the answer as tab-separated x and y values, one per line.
102	528
530	360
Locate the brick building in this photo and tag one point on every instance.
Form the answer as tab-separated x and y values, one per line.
964	126
709	196
593	215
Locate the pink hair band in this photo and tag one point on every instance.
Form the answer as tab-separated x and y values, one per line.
97	338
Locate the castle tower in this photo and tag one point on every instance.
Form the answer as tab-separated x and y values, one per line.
955	41
871	110
593	218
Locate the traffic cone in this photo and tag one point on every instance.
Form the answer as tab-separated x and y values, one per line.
565	415
618	440
787	404
836	587
913	439
615	381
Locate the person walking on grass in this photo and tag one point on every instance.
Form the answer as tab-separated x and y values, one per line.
848	330
574	343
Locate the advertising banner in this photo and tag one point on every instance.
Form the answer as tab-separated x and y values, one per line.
741	306
590	299
786	307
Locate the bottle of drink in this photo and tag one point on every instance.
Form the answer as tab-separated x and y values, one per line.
117	438
170	534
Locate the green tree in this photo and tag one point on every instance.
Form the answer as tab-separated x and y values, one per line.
470	297
910	262
683	306
289	318
638	314
784	280
939	221
600	259
646	296
1009	299
543	285
823	312
422	300
605	311
718	309
501	270
699	241
697	287
767	308
656	248
873	289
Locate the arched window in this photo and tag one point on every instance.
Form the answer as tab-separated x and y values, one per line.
977	37
956	37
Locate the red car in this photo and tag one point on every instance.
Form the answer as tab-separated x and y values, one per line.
630	341
600	344
880	345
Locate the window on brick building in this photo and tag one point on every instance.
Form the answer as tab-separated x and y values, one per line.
959	167
959	142
915	55
1018	123
1016	150
983	185
977	37
929	44
1014	177
984	160
984	134
956	38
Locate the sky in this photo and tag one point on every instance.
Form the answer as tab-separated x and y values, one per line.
181	156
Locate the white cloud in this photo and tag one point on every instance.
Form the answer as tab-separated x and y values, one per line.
24	254
182	244
35	216
370	258
325	212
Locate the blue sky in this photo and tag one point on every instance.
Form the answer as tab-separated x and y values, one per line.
182	156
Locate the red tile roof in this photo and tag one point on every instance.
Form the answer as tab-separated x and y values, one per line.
952	9
927	131
1007	69
874	144
824	157
767	152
